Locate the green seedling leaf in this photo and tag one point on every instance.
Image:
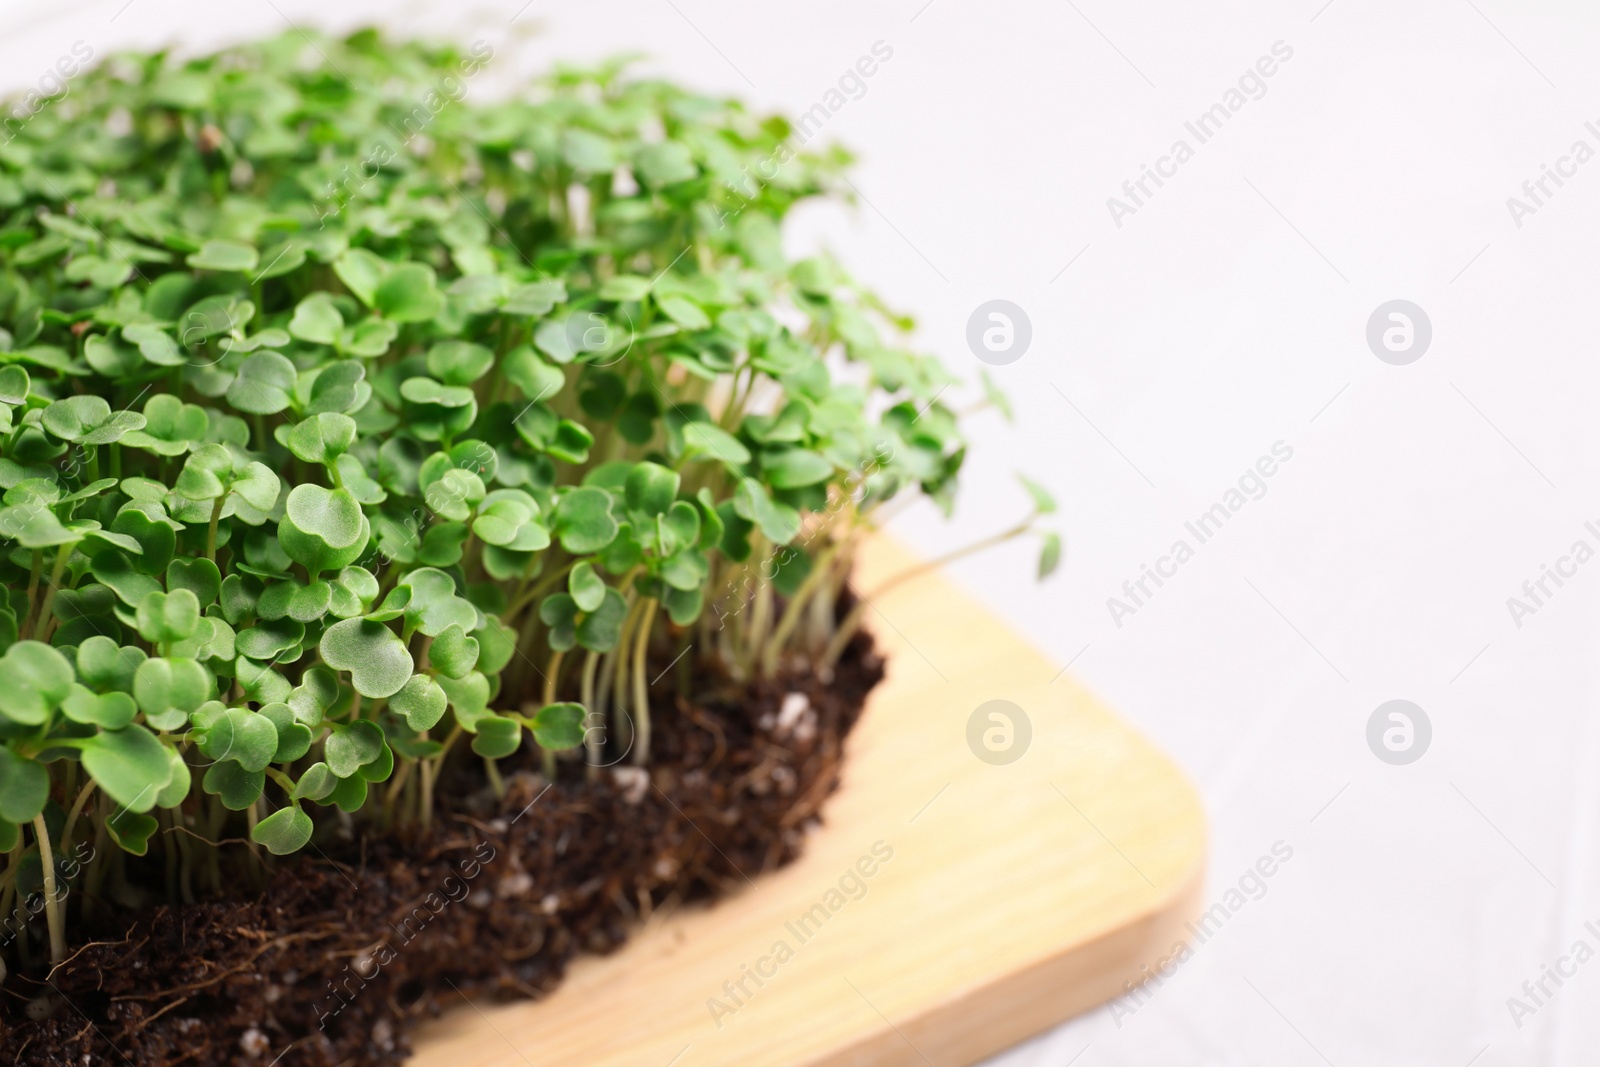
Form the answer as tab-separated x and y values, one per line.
1049	555
378	661
316	320
317	783
24	787
420	702
294	737
37	679
453	653
131	831
323	529
246	737
559	726
222	255
237	787
1043	502
167	690
602	629
165	618
129	764
199	577
409	293
110	711
264	384
106	666
322	438
89	420
588	589
778	522
584	522
497	737
284	831
362	272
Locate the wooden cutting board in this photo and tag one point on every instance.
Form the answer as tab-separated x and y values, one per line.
949	908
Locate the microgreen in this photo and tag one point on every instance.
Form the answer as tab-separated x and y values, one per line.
304	482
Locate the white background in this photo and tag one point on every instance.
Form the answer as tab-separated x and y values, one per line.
1227	314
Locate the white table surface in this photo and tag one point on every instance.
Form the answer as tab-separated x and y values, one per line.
1229	313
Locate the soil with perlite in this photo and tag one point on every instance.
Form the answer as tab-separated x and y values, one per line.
358	938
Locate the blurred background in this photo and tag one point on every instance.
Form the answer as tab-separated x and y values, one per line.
1426	471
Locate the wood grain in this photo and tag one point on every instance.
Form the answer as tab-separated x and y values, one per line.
1016	896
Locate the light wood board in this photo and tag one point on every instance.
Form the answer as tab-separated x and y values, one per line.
1017	895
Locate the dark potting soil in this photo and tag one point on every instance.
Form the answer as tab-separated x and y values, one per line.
354	940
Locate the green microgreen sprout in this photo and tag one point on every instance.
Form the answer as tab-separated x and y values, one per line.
322	478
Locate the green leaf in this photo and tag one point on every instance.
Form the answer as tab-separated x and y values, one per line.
37	679
176	791
1049	555
1043	502
684	312
112	711
651	488
89	420
246	737
352	746
168	617
497	737
420	702
665	163
559	726
588	589
167	690
237	787
537	379
408	293
264	384
317	783
602	629
362	272
130	765
223	255
322	438
584	522
559	612
14	384
106	666
795	468
350	794
197	576
132	831
171	427
317	320
284	831
378	661
323	529
453	653
459	362
24	787
779	522
712	441
432	604
294	737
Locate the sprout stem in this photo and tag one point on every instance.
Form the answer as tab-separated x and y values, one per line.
641	684
852	621
211	530
593	735
42	627
52	905
72	816
33	589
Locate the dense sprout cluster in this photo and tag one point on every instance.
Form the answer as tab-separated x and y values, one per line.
348	424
